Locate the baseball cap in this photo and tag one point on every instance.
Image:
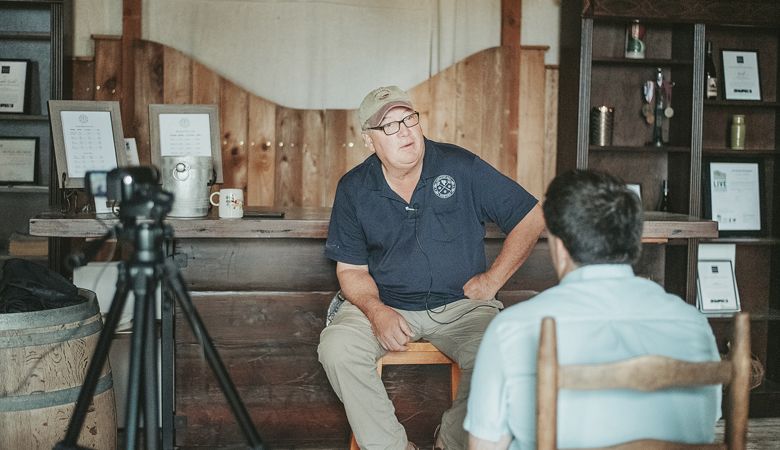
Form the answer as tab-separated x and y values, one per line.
378	102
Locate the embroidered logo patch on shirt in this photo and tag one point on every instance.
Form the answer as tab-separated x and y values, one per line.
444	186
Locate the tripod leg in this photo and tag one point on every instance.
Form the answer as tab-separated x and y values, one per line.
141	276
98	361
150	367
176	283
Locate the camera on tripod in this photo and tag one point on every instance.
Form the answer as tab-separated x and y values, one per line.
136	190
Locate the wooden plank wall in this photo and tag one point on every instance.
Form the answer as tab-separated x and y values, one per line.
291	157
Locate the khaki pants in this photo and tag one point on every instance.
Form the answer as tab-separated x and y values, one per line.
348	351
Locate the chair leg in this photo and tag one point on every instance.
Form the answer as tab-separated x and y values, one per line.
353	443
454	379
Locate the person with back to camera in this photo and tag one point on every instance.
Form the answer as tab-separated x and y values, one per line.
603	313
407	234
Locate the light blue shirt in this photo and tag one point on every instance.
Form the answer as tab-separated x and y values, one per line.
603	313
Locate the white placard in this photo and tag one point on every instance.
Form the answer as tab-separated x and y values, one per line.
185	134
89	141
100	278
735	199
131	152
717	286
17	160
740	75
13	80
636	189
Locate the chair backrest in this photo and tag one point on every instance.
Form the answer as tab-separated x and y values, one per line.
646	373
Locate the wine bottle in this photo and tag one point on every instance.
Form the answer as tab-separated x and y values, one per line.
658	110
711	77
663	204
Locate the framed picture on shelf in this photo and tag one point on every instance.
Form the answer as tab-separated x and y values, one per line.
741	77
18	160
14	85
733	196
635	188
717	286
185	130
87	136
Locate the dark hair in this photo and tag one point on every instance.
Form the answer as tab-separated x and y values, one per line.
598	218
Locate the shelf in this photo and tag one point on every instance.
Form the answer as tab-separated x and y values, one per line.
4	256
744	240
24	189
771	315
747	153
25	36
741	103
29	117
642	149
647	62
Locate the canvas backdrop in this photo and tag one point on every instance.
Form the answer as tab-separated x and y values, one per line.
315	54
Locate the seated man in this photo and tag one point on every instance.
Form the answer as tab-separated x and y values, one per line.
603	313
407	234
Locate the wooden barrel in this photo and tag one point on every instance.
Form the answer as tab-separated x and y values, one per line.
44	356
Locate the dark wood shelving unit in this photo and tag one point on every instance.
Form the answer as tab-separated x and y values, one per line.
652	62
747	153
25	36
25	117
740	104
32	30
644	148
594	72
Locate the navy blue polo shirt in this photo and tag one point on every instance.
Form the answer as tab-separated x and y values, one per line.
421	253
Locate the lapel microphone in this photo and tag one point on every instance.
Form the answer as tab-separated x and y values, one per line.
411	211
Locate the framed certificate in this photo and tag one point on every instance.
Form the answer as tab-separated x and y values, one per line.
87	137
18	160
14	85
741	78
185	130
635	188
717	286
733	196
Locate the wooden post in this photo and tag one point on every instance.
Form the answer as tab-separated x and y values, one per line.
511	17
131	31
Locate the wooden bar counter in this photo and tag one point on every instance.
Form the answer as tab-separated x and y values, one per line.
262	287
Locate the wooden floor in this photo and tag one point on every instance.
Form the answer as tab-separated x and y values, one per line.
763	434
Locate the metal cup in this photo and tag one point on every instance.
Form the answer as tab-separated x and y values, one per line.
601	121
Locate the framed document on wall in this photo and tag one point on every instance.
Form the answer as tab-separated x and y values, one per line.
741	77
87	136
733	196
185	130
14	85
717	286
18	160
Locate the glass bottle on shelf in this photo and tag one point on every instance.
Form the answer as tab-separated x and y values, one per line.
658	111
663	204
710	74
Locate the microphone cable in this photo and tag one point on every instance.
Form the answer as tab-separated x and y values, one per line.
430	278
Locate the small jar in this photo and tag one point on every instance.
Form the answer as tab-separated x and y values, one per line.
737	132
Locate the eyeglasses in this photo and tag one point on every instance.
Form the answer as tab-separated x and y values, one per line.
391	128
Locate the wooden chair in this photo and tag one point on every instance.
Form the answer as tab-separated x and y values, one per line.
421	352
646	373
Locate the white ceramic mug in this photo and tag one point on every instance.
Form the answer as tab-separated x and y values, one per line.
231	203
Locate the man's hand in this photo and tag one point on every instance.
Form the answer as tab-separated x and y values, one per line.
390	328
517	246
481	287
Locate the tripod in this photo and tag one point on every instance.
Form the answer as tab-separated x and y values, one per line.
142	211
